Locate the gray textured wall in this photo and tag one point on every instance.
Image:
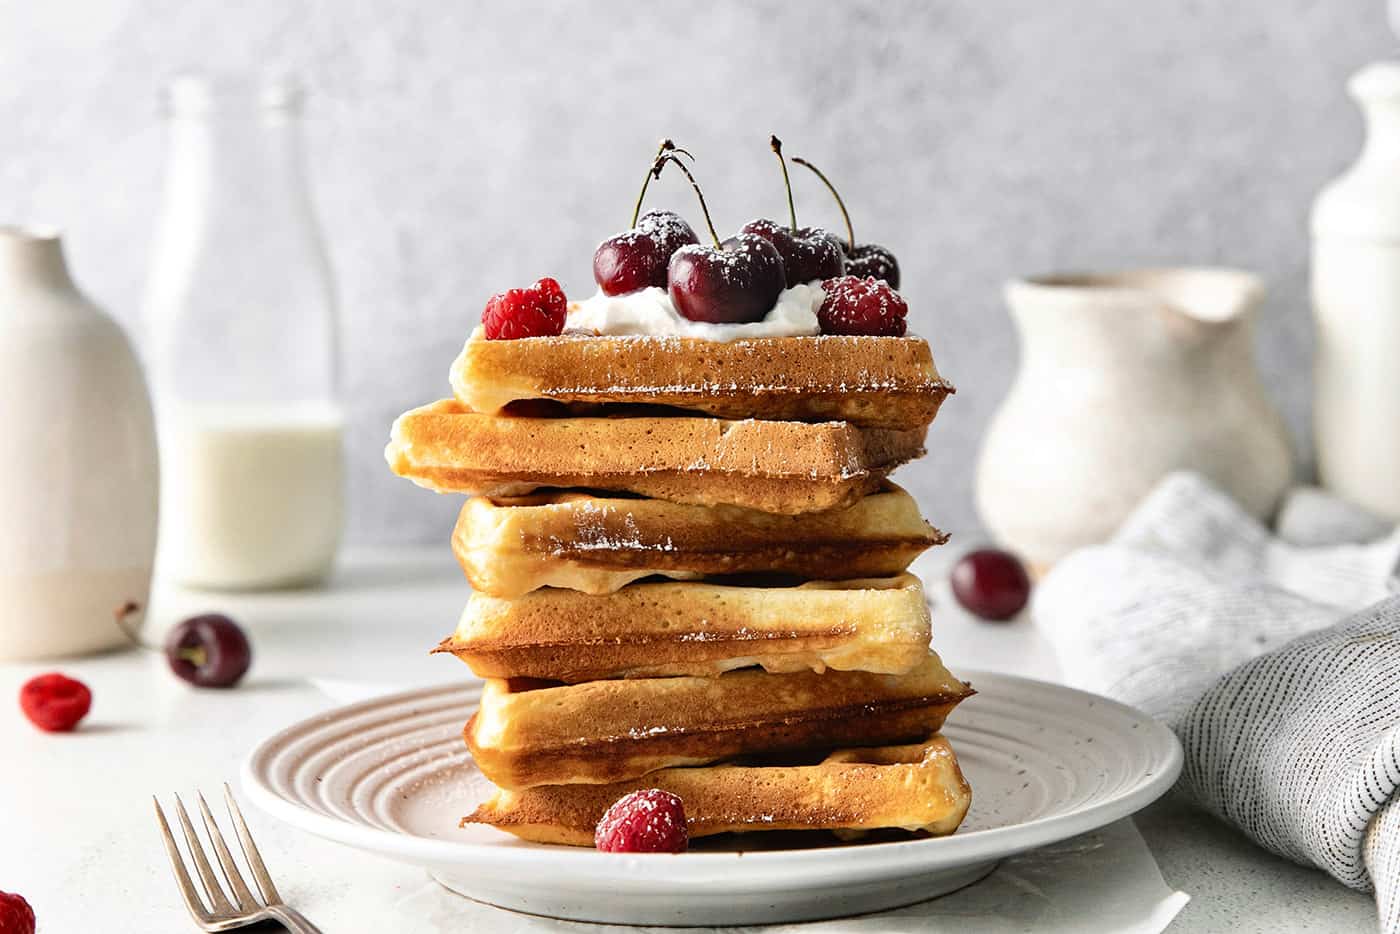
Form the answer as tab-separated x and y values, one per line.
459	148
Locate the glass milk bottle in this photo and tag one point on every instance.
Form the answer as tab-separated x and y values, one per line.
241	341
1356	303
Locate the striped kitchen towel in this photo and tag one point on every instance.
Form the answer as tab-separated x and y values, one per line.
1274	657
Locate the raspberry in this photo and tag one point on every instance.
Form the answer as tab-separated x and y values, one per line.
54	702
651	821
16	917
861	306
538	311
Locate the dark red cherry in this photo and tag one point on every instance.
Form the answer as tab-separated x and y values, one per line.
735	284
809	253
826	258
991	583
873	261
629	261
780	235
669	230
209	650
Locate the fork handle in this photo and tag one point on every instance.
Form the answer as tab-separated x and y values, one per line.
292	919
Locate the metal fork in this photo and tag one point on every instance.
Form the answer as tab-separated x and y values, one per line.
238	908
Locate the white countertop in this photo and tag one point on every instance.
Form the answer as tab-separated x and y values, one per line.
77	836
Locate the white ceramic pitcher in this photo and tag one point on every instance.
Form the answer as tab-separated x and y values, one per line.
78	481
1124	378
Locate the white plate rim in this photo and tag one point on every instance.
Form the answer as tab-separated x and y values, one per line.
905	857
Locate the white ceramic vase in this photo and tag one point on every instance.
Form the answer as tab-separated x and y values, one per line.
1356	302
1125	378
78	484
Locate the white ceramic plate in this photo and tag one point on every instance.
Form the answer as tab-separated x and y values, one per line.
392	776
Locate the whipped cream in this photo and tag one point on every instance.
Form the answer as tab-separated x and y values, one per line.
650	312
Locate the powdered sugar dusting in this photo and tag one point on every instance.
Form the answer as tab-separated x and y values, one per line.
592	531
642	732
666	227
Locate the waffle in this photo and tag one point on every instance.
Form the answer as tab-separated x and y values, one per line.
665	629
913	788
783	467
529	733
878	382
599	544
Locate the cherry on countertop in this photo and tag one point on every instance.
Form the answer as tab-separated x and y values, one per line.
210	651
991	583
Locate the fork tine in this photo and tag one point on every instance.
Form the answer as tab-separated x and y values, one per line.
201	862
177	865
241	893
250	851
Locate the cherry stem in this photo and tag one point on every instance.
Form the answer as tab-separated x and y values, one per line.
777	145
666	157
195	656
850	234
654	172
666	146
123	615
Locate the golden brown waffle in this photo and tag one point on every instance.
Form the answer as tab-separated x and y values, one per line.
784	467
878	382
599	544
699	628
531	733
915	788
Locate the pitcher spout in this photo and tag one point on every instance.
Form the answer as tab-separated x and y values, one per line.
1208	294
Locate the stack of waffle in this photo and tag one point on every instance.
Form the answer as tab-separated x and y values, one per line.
690	573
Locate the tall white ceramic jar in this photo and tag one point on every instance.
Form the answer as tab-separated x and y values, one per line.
78	482
1356	301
